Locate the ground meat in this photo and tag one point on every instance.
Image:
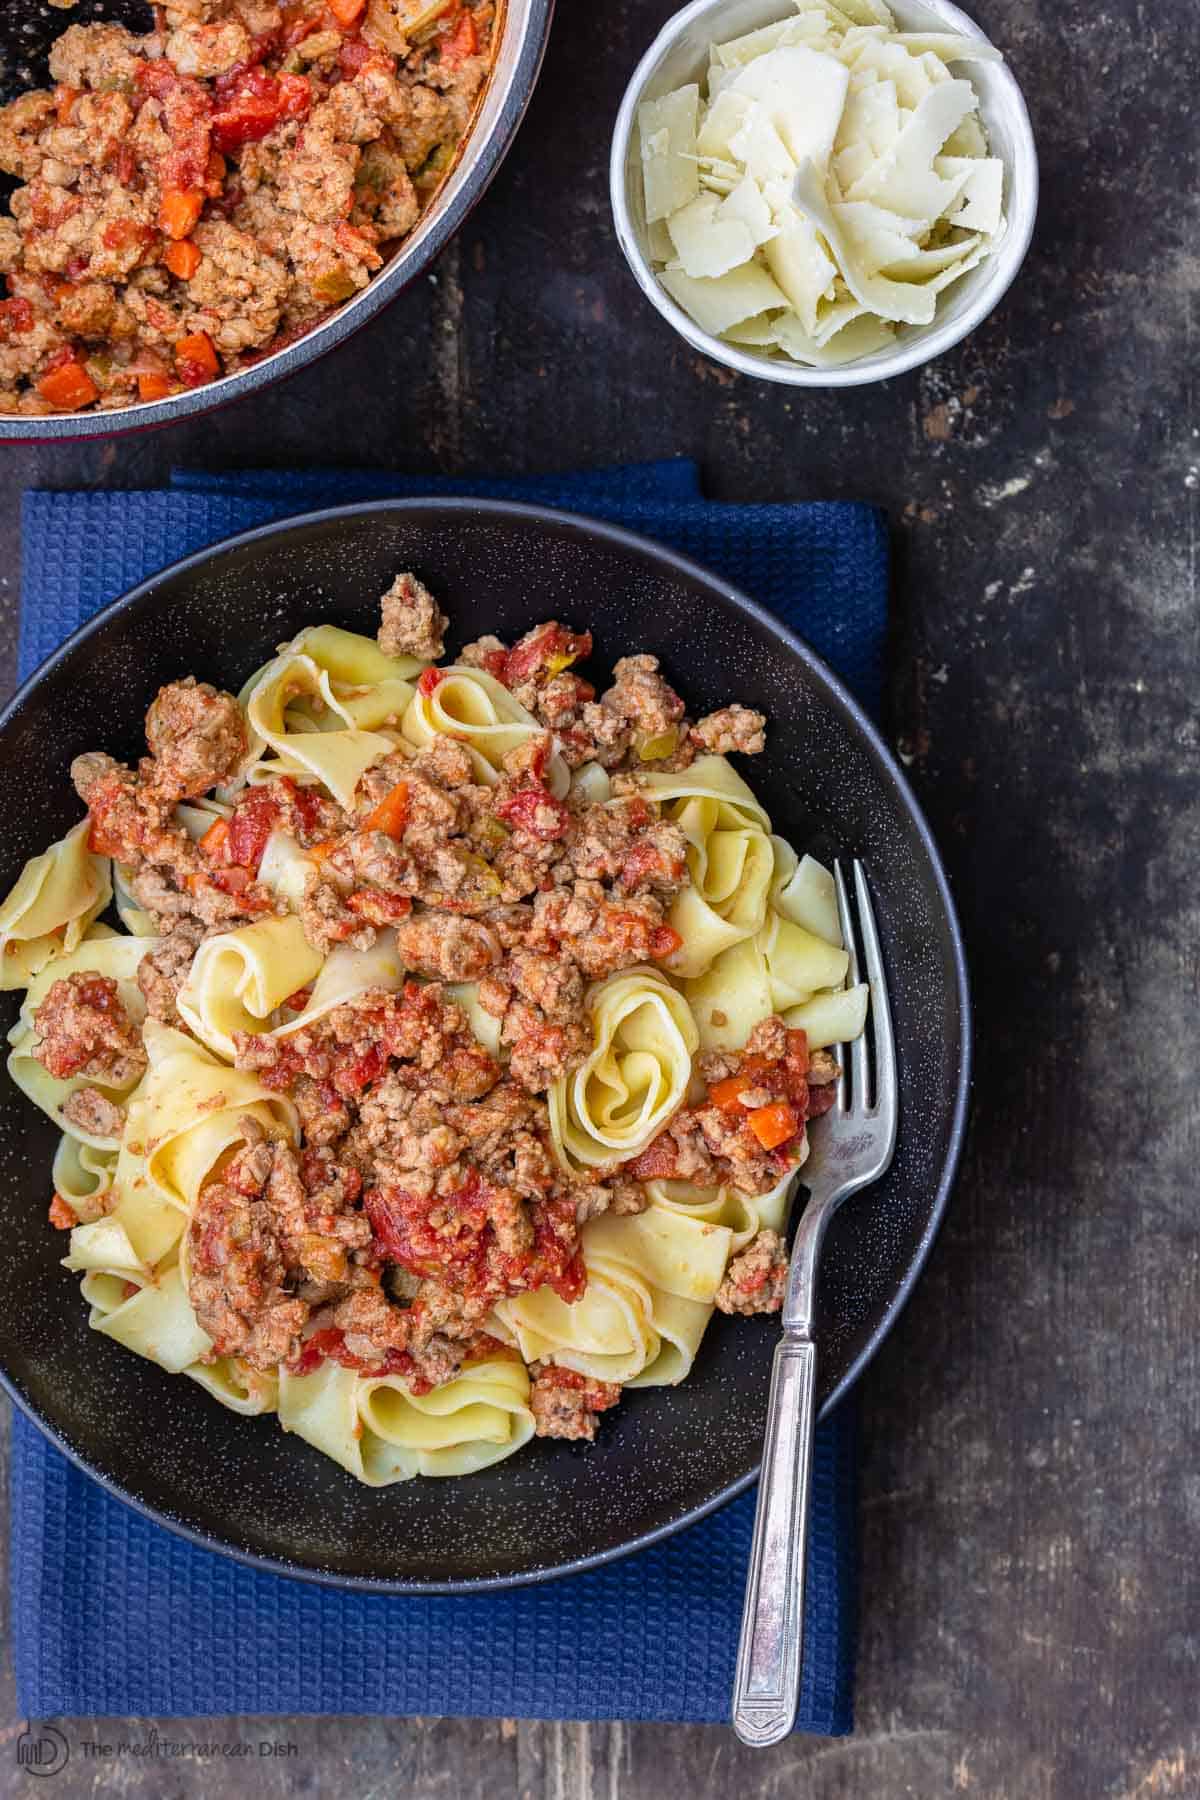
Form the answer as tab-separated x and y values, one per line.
371	1326
539	998
83	1029
622	1198
823	1067
732	728
90	1111
237	292
163	970
412	622
566	1404
196	735
756	1278
626	843
328	921
97	56
445	947
308	1201
598	932
207	50
237	1270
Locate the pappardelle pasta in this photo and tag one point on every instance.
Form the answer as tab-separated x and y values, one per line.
455	1059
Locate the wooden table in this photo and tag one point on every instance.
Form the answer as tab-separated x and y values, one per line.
1031	1612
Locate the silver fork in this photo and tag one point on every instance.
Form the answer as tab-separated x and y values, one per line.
851	1147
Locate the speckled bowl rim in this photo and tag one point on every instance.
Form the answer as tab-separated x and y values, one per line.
479	161
860	725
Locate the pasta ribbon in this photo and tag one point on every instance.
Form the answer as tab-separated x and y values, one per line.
318	729
194	1110
708	778
636	1077
82	1174
731	864
473	707
380	1431
51	904
803	890
240	980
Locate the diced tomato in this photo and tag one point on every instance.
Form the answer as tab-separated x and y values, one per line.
307	804
251	103
378	908
536	811
462	41
68	387
316	1349
657	1162
299	1000
61	1216
550	649
430	679
664	941
196	359
391	814
362	1071
495	662
773	1125
16	315
122	234
254	819
354	53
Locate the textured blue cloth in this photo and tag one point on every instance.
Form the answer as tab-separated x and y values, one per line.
649	1637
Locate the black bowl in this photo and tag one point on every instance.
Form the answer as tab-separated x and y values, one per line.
667	1455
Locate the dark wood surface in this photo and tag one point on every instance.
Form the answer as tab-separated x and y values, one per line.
1031	1613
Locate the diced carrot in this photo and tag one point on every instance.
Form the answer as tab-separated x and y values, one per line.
68	387
61	1216
346	11
775	1124
183	259
153	387
215	839
179	211
391	815
728	1093
196	358
214	175
319	852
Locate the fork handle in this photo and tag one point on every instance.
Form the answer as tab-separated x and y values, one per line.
766	1687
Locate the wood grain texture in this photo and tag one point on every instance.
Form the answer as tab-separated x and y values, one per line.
1031	1613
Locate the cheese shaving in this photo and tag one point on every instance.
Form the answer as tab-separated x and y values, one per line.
828	182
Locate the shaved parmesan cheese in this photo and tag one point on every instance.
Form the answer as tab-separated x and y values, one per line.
894	300
904	179
759	146
706	243
860	337
716	305
918	265
726	115
968	140
800	266
668	133
981	198
757	333
739	51
830	182
802	92
748	204
947	46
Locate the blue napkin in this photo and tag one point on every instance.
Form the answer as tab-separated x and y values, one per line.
649	1637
